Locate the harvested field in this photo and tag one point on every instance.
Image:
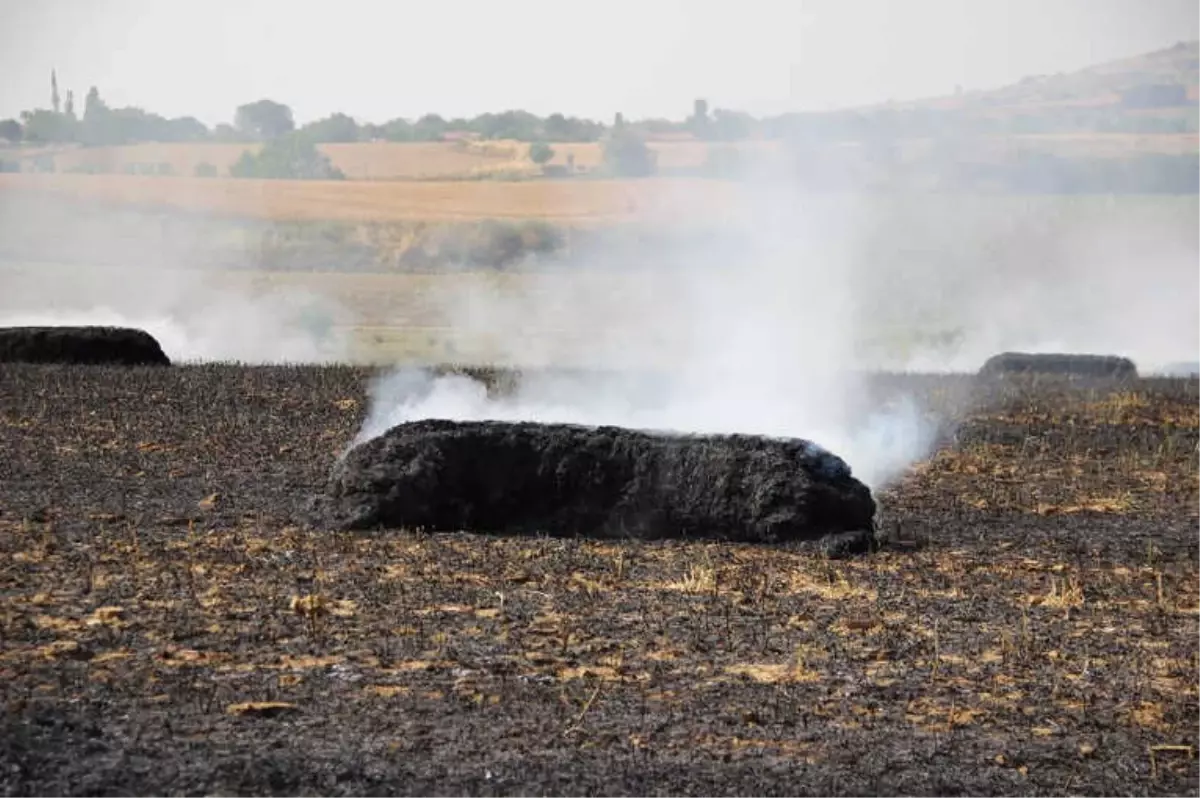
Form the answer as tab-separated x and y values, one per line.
565	202
170	623
381	160
81	346
359	161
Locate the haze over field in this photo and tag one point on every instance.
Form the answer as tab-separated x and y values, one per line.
620	398
758	307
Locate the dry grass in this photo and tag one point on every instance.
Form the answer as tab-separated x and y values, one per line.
384	160
359	161
388	160
564	202
455	160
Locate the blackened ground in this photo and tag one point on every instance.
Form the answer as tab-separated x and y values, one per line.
1030	628
124	346
566	480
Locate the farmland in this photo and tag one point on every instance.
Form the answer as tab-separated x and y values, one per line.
183	614
409	289
413	160
176	622
409	161
566	202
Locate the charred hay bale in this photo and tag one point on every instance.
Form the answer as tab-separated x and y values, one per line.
81	345
1071	365
568	480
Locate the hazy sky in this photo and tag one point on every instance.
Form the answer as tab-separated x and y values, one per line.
379	60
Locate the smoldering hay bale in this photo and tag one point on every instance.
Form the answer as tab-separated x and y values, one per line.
125	346
610	482
1082	365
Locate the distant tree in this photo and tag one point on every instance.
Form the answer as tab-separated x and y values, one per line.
398	130
92	103
205	169
290	157
618	121
626	154
54	101
370	132
227	133
70	107
518	125
698	122
186	128
10	130
336	128
45	126
110	126
731	125
264	119
557	127
430	127
540	152
97	124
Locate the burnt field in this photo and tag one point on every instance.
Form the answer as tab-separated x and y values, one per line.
172	621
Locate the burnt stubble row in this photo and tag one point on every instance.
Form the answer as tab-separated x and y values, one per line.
175	621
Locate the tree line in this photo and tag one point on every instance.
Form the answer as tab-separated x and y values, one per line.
265	119
102	125
814	143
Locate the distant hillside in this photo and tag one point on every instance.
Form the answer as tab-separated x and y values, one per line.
1162	81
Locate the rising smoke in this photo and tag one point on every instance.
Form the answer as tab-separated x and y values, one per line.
758	336
760	321
772	332
67	263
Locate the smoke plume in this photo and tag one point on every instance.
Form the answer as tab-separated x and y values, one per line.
757	336
65	262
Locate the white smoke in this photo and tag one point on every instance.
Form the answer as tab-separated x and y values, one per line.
229	328
67	262
758	338
770	330
878	447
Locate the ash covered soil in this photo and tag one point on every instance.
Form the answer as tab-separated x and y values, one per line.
172	623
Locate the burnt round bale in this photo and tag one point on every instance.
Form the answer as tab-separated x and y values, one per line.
608	482
124	346
1069	365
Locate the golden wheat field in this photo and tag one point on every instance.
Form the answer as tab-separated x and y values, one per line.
564	202
380	160
359	161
